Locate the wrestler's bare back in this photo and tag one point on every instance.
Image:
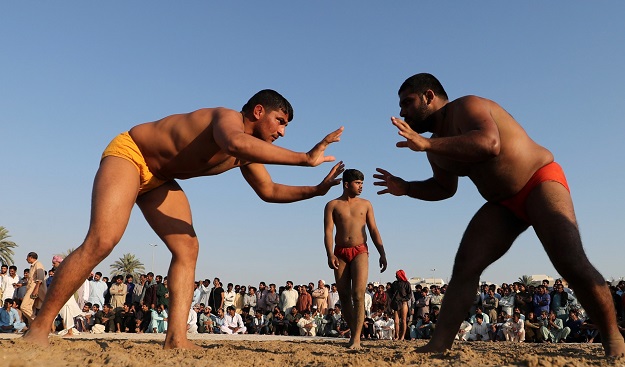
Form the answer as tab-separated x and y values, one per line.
350	220
183	146
518	159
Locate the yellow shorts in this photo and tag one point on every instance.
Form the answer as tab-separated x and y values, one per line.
124	147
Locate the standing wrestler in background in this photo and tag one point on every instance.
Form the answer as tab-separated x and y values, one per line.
522	185
350	258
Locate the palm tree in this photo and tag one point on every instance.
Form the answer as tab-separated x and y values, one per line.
66	253
526	280
6	246
127	264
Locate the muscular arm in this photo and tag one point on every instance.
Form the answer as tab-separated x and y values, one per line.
375	236
328	233
442	185
474	135
260	180
229	133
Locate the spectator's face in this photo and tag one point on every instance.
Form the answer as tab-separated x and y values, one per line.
159	279
242	290
144	308
129	280
220	312
12	273
97	277
95	308
106	309
119	281
4	269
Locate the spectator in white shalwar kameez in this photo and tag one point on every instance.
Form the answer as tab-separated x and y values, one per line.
385	327
463	332
480	329
514	329
192	319
69	310
233	323
159	320
306	325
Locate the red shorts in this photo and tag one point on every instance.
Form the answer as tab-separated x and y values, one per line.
550	172
348	254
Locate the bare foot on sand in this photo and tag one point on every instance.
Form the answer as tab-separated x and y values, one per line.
614	348
430	348
39	339
180	344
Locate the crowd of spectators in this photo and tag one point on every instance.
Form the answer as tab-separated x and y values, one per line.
510	312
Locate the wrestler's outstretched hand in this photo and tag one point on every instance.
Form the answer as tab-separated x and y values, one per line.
394	185
383	263
333	262
316	154
332	178
413	141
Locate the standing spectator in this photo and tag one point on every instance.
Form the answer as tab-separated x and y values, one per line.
422	304
162	294
229	296
436	298
490	304
304	300
130	288
35	289
541	300
97	288
205	291
507	302
137	292
559	301
333	296
21	286
147	296
118	293
216	297
288	298
9	281
273	299
239	299
379	299
320	297
261	297
249	300
523	299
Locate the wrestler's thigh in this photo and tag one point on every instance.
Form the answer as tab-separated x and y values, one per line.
342	275
114	193
489	235
359	272
167	211
550	210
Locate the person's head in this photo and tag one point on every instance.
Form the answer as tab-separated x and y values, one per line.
208	309
32	257
293	310
86	307
259	314
544	314
478	310
159	279
337	308
119	279
333	287
129	278
196	307
262	286
272	288
417	97
270	113
4	268
289	284
479	318
558	288
573	315
216	282
150	276
145	307
8	303
230	286
12	271
242	289
352	182
57	260
106	307
51	272
252	290
237	288
426	317
321	283
95	307
97	276
26	272
307	314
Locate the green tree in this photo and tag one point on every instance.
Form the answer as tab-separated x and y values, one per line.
6	247
127	264
526	280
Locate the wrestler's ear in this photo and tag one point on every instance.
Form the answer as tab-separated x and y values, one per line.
428	96
258	111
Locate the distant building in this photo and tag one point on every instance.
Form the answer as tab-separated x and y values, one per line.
426	282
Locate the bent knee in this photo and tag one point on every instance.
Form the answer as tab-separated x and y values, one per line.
186	248
99	247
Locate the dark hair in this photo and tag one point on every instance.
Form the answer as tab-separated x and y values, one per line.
33	255
420	83
98	273
13	267
352	175
271	100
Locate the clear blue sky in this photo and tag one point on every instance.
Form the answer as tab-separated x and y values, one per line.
74	74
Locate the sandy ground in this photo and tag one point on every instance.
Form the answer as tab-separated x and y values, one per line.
250	350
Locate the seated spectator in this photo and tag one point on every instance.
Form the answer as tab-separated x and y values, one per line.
328	324
306	325
463	331
10	319
342	328
532	328
385	327
260	324
158	323
206	320
143	317
293	317
233	323
575	325
219	321
478	311
192	319
480	329
125	319
514	329
84	320
553	329
422	329
279	323
368	330
68	312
